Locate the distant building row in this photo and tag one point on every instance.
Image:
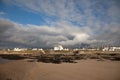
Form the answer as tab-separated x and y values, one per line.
24	49
111	49
59	47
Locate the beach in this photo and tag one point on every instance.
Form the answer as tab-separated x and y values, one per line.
82	70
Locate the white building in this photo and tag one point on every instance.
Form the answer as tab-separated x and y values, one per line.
114	49
66	49
111	49
34	49
8	49
105	49
59	47
19	49
40	49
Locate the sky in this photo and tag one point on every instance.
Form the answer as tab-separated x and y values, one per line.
71	23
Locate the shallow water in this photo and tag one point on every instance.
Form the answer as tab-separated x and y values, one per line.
2	61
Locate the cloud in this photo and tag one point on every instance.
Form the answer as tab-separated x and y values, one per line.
66	34
76	11
4	26
110	32
79	38
79	21
2	13
41	36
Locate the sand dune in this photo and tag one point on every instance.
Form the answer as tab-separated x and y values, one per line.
83	70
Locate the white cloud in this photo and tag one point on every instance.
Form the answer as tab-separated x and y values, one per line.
78	38
45	36
99	19
2	13
114	12
80	11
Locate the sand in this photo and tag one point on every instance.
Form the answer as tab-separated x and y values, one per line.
82	70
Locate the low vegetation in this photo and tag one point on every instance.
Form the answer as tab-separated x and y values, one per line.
60	56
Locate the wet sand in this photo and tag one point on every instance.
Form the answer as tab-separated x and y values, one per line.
82	70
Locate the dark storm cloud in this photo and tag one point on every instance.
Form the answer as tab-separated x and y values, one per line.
4	27
18	35
40	36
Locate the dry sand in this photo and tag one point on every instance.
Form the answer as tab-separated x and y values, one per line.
83	70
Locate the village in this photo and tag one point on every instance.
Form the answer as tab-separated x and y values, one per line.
61	48
60	54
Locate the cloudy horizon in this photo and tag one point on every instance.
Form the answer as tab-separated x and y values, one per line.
71	23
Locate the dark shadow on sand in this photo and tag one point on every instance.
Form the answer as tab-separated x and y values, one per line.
12	56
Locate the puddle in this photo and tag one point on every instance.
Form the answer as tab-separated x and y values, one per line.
2	61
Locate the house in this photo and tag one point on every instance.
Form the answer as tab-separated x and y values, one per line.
111	49
59	47
66	49
105	49
19	49
40	49
34	49
114	49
